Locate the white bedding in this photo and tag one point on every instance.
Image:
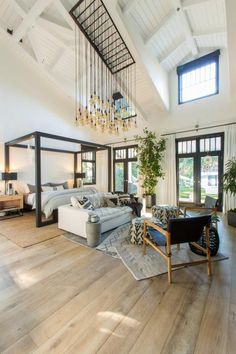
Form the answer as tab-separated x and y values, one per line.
53	199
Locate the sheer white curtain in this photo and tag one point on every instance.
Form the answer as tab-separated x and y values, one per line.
229	153
166	189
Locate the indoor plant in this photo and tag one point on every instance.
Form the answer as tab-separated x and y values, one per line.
150	154
229	179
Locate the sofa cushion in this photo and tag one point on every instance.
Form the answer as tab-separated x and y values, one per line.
81	202
111	213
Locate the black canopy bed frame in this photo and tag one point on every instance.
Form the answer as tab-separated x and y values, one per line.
85	147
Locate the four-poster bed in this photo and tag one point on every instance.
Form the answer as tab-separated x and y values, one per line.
37	137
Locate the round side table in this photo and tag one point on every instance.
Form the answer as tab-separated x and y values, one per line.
93	232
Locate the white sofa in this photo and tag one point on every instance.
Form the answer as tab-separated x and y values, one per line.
74	219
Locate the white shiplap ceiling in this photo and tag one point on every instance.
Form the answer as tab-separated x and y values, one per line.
178	30
173	30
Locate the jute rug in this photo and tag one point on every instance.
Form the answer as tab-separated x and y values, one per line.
117	244
23	232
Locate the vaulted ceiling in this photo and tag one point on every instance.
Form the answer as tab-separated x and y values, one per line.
160	34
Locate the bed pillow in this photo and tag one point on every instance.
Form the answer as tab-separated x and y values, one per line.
32	188
65	185
47	189
81	202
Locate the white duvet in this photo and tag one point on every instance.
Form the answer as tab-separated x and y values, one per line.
53	199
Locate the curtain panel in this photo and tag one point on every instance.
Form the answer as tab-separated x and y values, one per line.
229	153
166	189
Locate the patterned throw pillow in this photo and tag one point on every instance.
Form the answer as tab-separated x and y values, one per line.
81	202
124	199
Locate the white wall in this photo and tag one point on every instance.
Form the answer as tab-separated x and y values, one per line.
28	102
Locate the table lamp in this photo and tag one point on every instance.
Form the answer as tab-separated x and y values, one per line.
7	177
80	175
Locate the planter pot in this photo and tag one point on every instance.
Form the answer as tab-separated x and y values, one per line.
231	218
150	200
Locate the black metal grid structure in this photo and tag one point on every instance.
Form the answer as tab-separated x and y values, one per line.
94	20
85	146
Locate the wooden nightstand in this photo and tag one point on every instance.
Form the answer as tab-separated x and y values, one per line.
10	204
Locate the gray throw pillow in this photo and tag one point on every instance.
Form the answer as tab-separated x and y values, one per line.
64	184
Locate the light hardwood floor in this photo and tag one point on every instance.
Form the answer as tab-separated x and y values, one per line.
58	297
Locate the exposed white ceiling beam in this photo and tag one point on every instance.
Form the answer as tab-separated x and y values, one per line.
59	29
64	13
17	8
172	51
219	31
160	25
33	39
189	3
128	6
30	18
37	65
185	26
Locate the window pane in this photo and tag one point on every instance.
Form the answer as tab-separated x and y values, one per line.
120	154
132	177
89	169
132	153
180	147
218	143
186	179
199	82
193	145
119	177
209	177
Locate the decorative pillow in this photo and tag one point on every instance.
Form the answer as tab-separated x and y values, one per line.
110	203
81	202
124	199
65	185
96	200
32	188
47	189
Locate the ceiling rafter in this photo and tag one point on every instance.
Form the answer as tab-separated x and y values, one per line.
189	3
160	25
61	30
128	6
172	51
185	26
30	18
219	31
33	39
42	69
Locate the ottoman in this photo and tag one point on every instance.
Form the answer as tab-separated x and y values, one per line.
165	212
136	228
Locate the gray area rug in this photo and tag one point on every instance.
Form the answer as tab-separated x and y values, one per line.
117	244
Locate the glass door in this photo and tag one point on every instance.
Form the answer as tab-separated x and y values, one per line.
209	177
125	170
186	179
200	168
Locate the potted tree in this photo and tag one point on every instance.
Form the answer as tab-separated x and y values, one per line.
229	179
150	154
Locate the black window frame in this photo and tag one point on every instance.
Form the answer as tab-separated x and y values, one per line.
94	162
193	65
125	161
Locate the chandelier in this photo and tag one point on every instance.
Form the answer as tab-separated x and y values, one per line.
105	71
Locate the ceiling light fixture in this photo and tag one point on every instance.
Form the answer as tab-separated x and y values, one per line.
105	71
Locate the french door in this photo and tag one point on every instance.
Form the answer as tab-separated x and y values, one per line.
199	164
125	170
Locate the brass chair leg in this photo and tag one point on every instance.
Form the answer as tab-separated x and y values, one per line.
144	247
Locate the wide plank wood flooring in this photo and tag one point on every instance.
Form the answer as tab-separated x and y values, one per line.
59	297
